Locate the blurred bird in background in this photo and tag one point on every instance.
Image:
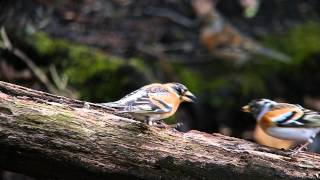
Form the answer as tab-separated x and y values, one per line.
285	121
153	102
225	41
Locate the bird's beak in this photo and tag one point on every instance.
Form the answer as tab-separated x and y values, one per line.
189	97
246	108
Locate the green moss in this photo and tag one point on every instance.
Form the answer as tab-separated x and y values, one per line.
79	62
252	84
43	44
92	72
192	79
141	66
41	117
300	42
170	120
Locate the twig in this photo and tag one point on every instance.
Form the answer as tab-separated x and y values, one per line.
6	42
173	16
60	82
34	68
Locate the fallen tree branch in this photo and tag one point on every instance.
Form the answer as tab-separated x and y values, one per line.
52	136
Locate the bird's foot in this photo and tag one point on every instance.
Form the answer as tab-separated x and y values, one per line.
161	124
179	127
298	149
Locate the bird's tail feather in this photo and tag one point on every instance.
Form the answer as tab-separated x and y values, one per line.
312	119
273	54
114	105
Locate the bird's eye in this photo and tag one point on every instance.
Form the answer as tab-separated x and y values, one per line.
181	91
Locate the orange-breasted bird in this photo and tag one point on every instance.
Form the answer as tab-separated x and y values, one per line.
153	102
285	121
224	40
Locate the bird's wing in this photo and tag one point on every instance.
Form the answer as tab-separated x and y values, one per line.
123	102
289	115
147	104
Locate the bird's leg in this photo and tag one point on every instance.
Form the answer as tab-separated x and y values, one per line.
300	148
148	121
151	123
161	124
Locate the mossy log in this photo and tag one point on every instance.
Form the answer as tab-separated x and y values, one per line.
55	137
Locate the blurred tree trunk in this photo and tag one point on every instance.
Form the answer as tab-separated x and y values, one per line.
55	137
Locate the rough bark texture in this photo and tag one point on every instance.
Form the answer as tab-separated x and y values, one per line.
51	136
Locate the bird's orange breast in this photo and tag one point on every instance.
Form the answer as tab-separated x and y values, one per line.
265	122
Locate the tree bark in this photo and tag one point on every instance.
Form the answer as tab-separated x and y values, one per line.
51	136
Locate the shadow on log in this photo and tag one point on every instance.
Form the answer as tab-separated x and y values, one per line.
55	137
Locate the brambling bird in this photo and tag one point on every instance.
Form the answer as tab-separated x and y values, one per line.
153	102
225	41
285	121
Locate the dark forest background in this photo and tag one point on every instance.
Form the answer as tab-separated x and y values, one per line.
226	52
